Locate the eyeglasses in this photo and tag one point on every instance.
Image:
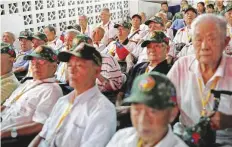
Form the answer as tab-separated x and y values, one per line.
38	61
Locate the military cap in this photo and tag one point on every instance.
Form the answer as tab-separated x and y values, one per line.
154	19
190	8
40	36
25	34
7	49
124	24
157	37
84	51
228	8
136	15
154	90
43	52
80	38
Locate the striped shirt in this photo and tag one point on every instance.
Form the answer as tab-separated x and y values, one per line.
110	70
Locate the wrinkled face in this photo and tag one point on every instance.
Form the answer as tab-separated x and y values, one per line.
200	8
209	10
149	123
25	44
7	38
208	44
228	16
83	21
189	16
50	34
122	32
97	35
6	62
164	7
42	69
219	3
156	52
68	38
105	16
37	42
155	27
136	22
82	72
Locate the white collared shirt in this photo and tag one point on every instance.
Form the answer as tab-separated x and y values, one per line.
137	36
110	32
90	123
183	36
56	44
100	47
34	105
184	74
88	31
128	138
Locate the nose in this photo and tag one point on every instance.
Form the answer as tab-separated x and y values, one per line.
204	44
142	117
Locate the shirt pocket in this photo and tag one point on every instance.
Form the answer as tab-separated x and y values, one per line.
77	132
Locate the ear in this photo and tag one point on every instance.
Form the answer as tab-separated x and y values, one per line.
168	49
227	40
174	112
12	60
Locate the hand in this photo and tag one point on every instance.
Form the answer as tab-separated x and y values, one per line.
219	121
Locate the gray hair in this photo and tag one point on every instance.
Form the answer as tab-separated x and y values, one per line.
72	31
219	21
11	34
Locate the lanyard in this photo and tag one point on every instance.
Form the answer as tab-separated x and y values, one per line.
147	70
63	69
140	143
66	112
24	91
205	101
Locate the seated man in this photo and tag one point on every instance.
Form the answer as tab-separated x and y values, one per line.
97	36
83	118
27	109
153	107
20	67
9	37
194	76
122	48
61	73
157	49
8	80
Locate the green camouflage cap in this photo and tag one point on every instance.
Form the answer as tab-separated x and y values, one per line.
43	52
7	49
40	36
154	90
79	39
228	8
84	51
25	34
154	19
124	24
157	37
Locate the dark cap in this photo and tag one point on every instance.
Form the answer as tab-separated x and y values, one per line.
124	24
228	8
157	37
25	34
190	8
84	51
7	49
154	19
43	52
40	36
137	15
154	90
79	39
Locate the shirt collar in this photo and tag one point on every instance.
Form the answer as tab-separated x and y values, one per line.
194	67
85	96
106	25
168	140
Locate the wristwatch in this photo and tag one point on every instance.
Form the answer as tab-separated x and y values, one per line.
14	133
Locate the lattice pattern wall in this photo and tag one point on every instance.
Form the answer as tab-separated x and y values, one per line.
61	13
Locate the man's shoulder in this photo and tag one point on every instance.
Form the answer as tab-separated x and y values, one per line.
125	133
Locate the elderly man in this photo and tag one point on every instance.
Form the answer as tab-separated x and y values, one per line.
20	65
38	39
228	16
136	34
97	36
108	26
153	107
194	76
61	73
53	41
8	37
8	80
83	118
85	28
27	109
157	49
